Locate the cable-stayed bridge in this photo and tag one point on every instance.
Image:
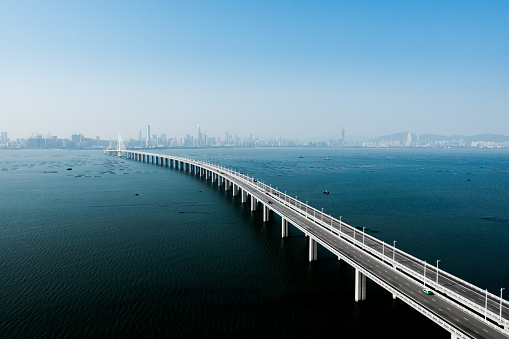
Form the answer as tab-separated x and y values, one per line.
465	310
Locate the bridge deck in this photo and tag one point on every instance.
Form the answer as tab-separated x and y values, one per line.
456	305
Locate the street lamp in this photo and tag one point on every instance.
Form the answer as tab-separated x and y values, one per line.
486	305
363	235
425	273
340	224
501	302
322	213
393	253
436	285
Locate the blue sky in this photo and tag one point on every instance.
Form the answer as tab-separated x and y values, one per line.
269	68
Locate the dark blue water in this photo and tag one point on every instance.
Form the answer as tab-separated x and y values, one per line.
83	256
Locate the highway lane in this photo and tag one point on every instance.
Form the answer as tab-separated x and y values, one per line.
441	306
447	284
444	309
347	242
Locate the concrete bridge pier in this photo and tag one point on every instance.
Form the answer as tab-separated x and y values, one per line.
253	204
360	286
226	184
220	181
235	190
266	212
243	194
313	249
284	228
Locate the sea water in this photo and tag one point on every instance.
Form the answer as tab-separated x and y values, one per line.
98	246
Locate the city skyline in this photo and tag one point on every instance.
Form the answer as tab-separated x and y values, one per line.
294	69
200	140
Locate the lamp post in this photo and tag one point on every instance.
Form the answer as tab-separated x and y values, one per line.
393	253
486	305
383	250
322	213
340	224
307	206
501	302
436	285
424	273
363	235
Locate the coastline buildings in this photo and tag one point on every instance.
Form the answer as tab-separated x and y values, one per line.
202	139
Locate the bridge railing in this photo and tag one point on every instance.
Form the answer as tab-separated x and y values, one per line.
318	217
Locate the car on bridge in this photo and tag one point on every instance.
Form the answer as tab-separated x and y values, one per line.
425	290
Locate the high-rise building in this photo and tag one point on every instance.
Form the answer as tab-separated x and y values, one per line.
199	139
4	136
342	140
147	144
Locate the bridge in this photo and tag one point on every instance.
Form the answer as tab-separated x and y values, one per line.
464	310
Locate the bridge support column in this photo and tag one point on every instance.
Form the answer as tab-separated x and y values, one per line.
244	195
226	184
220	181
235	190
253	204
313	249
360	286
265	213
284	228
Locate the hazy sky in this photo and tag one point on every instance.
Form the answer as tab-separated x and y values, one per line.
270	68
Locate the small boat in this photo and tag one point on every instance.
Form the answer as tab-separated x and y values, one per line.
325	192
327	158
301	157
69	169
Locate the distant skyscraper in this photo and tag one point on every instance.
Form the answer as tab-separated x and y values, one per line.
148	136
199	139
342	141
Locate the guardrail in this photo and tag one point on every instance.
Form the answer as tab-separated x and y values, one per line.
292	203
